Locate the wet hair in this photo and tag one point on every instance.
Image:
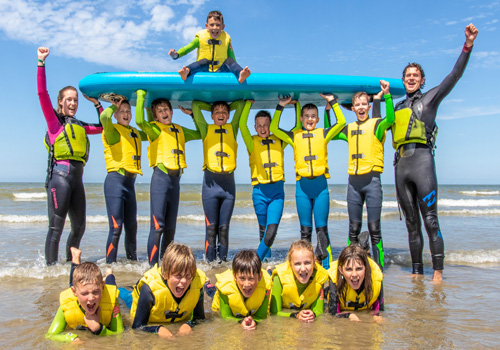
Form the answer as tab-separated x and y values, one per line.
157	102
60	96
216	15
308	106
356	253
178	259
263	114
247	262
87	273
359	94
415	65
299	245
219	103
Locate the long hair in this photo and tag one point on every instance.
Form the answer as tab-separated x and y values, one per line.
348	254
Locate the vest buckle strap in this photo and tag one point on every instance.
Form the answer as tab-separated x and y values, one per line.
307	135
254	179
269	165
136	157
266	142
220	131
357	132
221	154
358	156
177	151
174	129
214	42
310	158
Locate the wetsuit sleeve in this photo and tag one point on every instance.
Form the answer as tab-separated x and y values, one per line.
199	119
318	306
284	135
237	106
189	47
199	309
332	299
143	135
433	97
332	131
225	309
230	51
57	328
263	310
144	305
298	123
342	135
149	114
111	134
190	134
276	301
387	122
116	324
245	131
53	124
376	108
150	129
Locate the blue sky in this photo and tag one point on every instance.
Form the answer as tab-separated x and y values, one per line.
316	37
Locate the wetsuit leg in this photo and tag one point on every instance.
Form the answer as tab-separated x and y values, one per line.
355	200
304	203
130	220
416	186
230	66
227	184
113	194
198	66
321	209
77	208
374	197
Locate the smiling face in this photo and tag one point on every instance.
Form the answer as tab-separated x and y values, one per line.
178	283
220	115
89	296
302	264
262	126
69	102
124	114
247	282
214	27
163	114
361	107
413	80
354	273
309	118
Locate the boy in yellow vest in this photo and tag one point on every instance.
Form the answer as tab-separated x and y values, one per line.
215	52
170	293
89	304
366	162
243	293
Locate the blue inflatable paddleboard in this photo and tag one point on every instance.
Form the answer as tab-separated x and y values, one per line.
263	88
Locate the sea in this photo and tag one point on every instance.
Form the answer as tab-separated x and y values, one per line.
462	312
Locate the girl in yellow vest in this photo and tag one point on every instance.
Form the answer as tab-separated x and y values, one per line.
366	139
218	189
356	283
311	169
243	292
298	284
170	293
166	155
89	304
122	152
215	52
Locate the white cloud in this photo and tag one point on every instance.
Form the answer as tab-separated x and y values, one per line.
471	112
114	33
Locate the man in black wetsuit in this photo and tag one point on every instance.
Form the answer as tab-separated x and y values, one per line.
414	133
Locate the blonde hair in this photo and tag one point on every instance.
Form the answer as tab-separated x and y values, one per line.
87	273
60	96
299	245
359	94
178	259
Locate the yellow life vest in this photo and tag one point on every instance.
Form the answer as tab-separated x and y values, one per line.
168	148
214	50
366	152
125	154
73	313
71	143
351	295
227	285
311	155
290	294
164	301
266	160
220	147
403	133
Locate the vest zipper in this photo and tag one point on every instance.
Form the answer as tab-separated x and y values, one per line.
270	177
221	148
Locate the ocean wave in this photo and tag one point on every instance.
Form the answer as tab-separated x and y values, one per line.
480	193
29	196
471	212
469	202
479	256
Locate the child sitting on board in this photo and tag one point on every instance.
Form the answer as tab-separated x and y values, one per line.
215	52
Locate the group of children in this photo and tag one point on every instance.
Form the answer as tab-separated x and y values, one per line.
174	291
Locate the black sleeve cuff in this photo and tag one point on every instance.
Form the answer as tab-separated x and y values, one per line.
98	332
294	314
333	102
343	315
279	107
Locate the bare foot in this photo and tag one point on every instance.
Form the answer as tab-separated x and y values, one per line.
244	74
109	271
184	72
75	255
417	275
438	276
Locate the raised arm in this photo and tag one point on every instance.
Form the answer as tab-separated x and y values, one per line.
186	49
333	130
237	106
286	136
199	119
150	130
245	132
53	123
111	134
387	122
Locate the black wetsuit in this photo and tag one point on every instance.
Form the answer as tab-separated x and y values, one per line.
415	172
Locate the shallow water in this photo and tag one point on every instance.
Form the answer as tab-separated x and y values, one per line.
462	312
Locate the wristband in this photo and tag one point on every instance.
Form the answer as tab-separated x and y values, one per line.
42	62
97	332
279	107
98	105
